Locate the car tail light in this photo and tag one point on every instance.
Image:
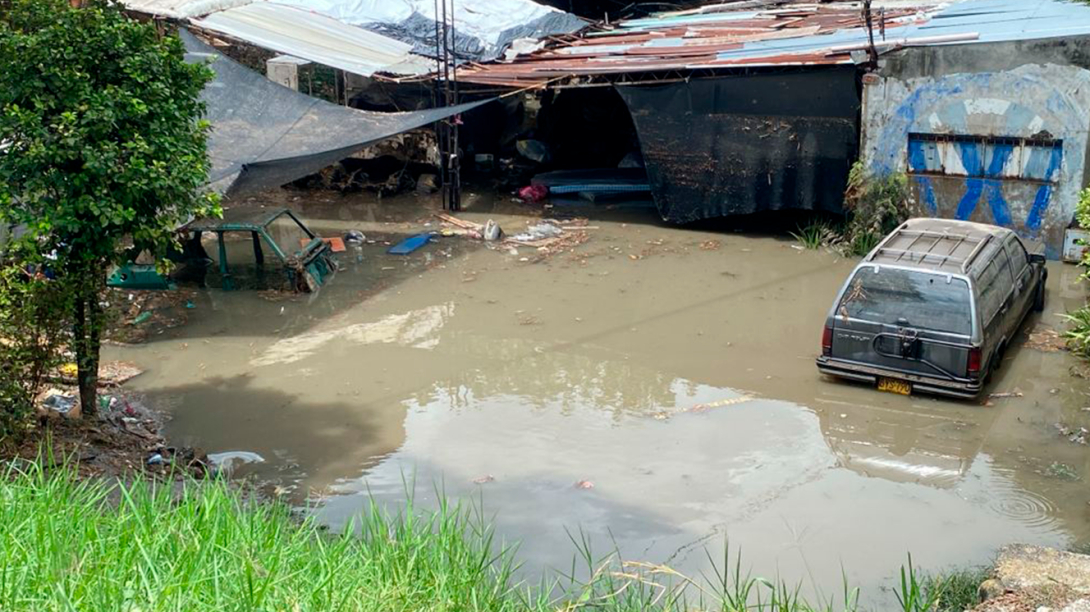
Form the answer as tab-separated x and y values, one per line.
974	362
827	341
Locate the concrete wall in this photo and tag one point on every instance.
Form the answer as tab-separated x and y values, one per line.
1000	130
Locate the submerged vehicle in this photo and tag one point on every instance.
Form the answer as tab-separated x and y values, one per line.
243	236
933	308
306	260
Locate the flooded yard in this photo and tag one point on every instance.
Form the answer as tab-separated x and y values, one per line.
654	389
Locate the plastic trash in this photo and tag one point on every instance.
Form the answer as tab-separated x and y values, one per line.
541	231
354	237
156	459
229	461
60	403
142	317
409	244
533	194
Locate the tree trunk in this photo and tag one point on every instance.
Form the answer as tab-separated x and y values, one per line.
87	332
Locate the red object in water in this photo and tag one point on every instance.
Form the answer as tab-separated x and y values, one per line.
534	193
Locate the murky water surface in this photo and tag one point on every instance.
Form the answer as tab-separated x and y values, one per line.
671	369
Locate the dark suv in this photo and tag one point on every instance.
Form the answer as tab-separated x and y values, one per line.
932	308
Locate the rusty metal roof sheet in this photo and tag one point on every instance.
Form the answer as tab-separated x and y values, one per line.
793	33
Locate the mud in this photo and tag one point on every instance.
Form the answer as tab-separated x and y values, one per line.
653	388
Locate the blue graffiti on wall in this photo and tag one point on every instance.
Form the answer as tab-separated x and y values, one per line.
984	163
1044	192
1022	103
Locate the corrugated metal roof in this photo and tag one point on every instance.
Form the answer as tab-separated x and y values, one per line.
1006	20
793	33
315	37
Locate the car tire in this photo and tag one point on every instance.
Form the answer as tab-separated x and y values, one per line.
1039	297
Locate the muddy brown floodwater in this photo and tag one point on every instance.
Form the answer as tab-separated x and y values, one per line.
671	369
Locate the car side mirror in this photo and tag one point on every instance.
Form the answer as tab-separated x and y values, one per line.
1037	258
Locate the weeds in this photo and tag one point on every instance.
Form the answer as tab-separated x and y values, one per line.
876	205
916	594
1078	335
817	234
957	591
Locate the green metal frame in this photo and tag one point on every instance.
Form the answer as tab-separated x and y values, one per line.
256	224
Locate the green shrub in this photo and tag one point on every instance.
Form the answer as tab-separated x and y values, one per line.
1078	334
32	330
876	205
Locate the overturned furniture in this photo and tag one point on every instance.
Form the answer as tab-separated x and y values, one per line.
306	267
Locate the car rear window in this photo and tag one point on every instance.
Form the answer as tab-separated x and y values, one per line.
908	298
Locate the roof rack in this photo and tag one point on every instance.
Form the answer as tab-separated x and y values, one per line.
958	239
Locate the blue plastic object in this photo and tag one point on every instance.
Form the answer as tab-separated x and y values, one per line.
409	244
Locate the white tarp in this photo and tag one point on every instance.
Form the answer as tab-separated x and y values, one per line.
315	37
326	32
482	19
181	9
483	27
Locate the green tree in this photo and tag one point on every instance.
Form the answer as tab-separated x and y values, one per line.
102	147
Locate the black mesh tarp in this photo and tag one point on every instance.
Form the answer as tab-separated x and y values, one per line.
266	135
738	145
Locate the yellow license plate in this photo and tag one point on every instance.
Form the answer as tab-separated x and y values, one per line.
892	385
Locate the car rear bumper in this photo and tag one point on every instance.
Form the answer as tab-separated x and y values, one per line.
965	389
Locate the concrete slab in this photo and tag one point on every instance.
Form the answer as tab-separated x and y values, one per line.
1022	567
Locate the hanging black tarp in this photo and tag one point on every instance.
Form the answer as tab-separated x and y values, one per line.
738	145
266	135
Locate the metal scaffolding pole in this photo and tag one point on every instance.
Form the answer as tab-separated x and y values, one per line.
446	94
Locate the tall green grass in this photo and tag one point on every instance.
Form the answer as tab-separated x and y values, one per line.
67	544
90	545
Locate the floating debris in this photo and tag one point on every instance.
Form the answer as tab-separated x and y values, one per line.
1076	435
1062	471
584	485
721	403
1046	339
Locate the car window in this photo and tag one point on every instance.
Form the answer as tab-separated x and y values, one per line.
909	298
993	286
1018	257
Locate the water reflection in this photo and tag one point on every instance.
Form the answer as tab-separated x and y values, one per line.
791	486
